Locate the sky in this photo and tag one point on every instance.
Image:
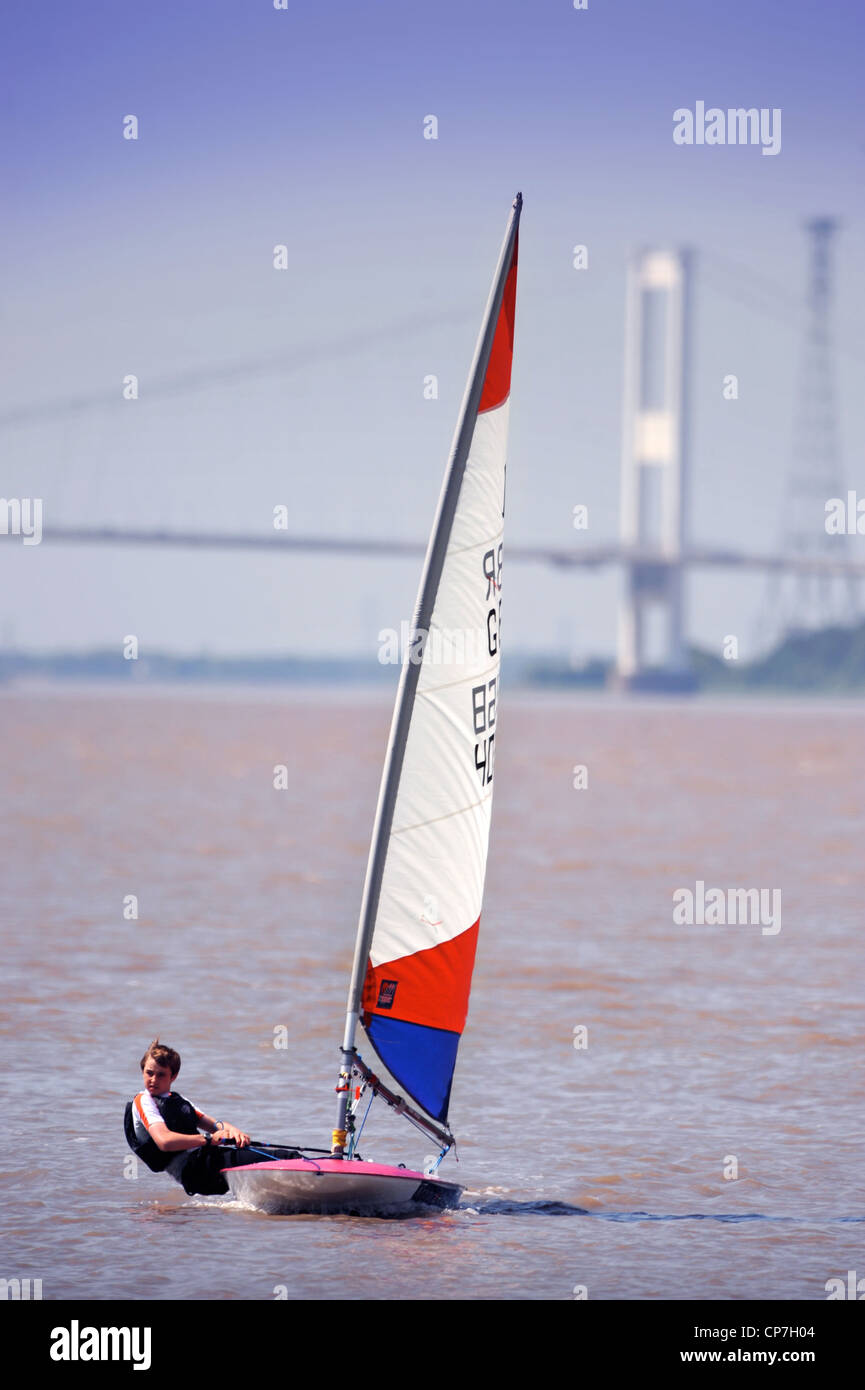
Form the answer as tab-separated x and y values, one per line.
303	386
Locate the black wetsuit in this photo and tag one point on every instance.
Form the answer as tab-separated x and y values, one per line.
197	1170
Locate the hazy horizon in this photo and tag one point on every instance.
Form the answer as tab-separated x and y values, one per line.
304	387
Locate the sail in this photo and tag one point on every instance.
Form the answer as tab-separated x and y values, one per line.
428	860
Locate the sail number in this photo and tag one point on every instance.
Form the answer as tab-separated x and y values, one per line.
484	717
484	696
493	576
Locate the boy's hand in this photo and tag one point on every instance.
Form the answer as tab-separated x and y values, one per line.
229	1132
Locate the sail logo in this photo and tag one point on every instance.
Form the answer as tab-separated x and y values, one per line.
717	907
735	126
76	1343
21	516
386	994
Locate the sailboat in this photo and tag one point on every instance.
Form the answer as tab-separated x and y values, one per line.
421	903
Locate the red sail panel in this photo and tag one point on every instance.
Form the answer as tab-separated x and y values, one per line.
430	987
497	382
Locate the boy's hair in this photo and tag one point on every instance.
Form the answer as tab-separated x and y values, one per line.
165	1056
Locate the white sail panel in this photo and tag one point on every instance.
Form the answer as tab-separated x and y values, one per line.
425	880
433	880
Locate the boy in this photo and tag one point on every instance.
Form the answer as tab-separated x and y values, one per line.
162	1128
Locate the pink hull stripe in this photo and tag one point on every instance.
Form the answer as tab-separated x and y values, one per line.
331	1165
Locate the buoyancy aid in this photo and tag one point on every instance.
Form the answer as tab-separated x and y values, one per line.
178	1115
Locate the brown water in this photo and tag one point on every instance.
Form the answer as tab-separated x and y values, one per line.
706	1043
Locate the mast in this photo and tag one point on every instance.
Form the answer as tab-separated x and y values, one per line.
412	664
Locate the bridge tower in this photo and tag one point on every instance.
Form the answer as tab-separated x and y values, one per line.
652	652
807	601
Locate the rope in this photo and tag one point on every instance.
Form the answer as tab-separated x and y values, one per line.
355	1138
263	1152
260	1147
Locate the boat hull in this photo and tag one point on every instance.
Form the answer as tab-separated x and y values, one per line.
291	1186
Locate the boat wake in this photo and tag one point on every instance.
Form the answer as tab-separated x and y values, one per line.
726	1217
498	1206
501	1206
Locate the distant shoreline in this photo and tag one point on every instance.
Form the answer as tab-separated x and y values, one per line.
829	662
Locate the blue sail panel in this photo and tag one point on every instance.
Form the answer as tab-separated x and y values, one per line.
421	1059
